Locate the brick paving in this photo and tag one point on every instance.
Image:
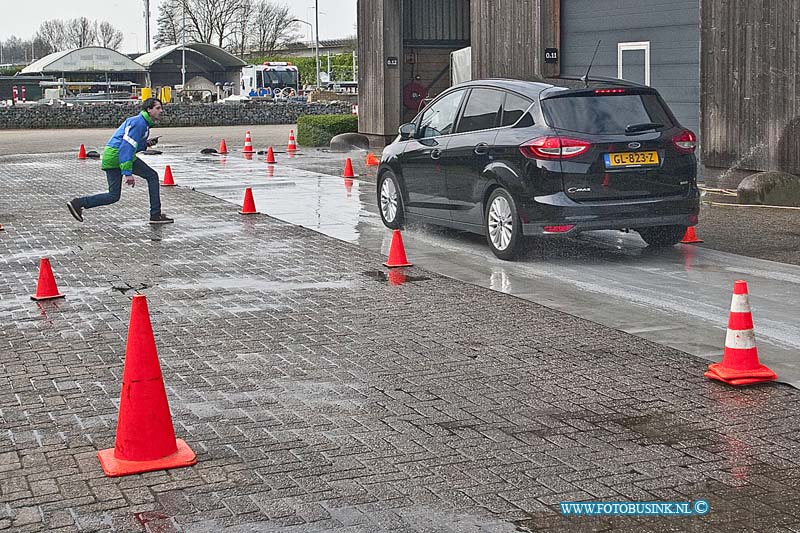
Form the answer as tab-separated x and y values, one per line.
320	397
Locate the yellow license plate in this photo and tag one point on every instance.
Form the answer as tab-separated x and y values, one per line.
632	159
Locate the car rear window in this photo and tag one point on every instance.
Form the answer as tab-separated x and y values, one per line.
604	113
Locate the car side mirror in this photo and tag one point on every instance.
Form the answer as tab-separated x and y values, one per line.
407	131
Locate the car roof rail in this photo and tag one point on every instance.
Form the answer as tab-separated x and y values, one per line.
602	79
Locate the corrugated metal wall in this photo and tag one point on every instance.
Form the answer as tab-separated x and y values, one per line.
672	27
750	80
436	22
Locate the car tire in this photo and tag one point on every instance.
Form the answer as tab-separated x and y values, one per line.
662	236
502	226
390	200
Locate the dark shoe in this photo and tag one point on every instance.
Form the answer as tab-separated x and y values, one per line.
75	209
161	219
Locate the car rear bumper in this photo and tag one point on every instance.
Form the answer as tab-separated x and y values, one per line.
560	210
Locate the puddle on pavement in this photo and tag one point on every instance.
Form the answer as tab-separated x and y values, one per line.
255	284
393	276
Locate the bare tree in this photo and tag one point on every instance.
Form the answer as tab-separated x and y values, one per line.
53	34
80	32
108	35
169	23
241	37
272	24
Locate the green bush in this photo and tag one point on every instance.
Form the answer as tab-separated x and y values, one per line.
318	130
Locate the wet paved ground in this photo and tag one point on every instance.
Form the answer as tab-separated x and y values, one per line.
679	296
320	396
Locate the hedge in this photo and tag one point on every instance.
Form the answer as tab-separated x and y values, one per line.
318	130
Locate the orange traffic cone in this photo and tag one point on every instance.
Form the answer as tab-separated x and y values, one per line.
46	288
168	180
690	237
223	148
270	156
372	161
248	143
348	169
249	206
740	365
145	436
292	145
82	152
397	252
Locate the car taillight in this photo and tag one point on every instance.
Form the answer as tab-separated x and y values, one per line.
609	91
685	142
553	148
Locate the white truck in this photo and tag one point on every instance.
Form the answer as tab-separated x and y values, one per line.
278	79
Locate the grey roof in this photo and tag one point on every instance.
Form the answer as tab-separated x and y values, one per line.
213	53
87	59
328	43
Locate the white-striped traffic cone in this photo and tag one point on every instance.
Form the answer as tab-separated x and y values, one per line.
740	365
248	143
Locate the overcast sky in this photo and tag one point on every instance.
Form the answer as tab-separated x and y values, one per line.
22	18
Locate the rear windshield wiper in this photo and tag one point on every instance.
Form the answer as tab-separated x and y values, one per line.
644	126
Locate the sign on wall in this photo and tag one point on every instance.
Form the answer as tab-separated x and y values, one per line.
551	55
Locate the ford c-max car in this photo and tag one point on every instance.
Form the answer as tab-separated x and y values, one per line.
511	159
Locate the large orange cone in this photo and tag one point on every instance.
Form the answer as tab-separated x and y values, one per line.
292	146
82	152
270	156
690	237
223	148
168	179
145	436
372	161
248	143
249	205
397	252
348	169
46	288
740	365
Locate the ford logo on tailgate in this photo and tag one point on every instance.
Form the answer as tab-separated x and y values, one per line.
634	146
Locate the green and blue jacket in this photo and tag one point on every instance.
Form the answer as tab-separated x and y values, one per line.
130	137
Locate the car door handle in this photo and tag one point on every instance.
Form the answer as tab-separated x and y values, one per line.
481	149
436	153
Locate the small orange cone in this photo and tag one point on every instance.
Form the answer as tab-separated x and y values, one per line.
690	237
270	156
740	365
145	438
372	161
292	145
249	206
223	148
46	288
82	152
168	180
348	169
248	143
397	252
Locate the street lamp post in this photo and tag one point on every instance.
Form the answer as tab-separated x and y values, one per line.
316	46
316	14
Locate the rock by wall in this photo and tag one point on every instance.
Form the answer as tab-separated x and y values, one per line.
111	115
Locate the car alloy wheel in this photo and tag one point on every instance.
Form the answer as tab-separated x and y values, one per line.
501	223
503	228
390	203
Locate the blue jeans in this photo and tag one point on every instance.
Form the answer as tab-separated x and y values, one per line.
114	177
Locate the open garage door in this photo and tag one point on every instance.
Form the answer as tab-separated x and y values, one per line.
646	41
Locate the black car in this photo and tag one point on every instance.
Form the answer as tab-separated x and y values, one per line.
512	158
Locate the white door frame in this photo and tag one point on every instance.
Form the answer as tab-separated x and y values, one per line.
637	45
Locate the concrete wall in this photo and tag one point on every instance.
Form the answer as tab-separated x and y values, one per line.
111	115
